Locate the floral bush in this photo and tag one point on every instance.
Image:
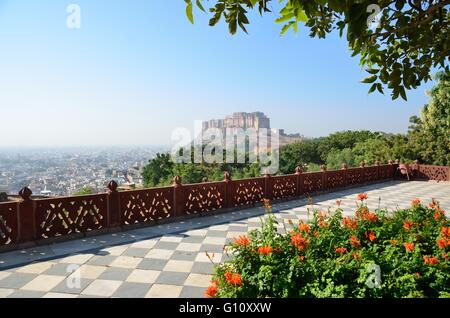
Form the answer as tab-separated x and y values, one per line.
405	253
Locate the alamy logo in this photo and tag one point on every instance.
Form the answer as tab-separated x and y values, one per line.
373	21
74	18
374	279
74	279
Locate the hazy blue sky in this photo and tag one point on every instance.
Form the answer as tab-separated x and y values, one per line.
138	69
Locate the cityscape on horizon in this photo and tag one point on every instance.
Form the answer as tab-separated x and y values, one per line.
65	171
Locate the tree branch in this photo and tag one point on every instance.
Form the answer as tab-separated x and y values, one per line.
429	12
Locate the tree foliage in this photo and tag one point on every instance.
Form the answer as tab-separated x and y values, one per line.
84	191
398	50
298	154
342	140
336	158
430	134
158	171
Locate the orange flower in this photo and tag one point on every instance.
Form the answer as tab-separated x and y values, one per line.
362	212
211	291
416	202
298	241
445	231
354	241
445	256
323	224
409	247
371	217
441	243
371	236
242	240
236	279
349	223
266	203
430	260
433	204
438	214
356	256
362	196
265	250
233	279
228	277
316	234
322	215
393	242
301	258
407	225
341	250
339	202
303	227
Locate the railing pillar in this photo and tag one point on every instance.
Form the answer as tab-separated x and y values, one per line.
27	216
377	164
344	168
228	190
299	180
393	168
362	165
268	186
323	169
415	169
114	213
178	197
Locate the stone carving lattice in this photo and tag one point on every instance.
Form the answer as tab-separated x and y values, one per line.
248	192
204	198
8	223
64	216
312	182
284	187
146	205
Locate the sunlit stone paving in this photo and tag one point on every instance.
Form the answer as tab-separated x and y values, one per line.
169	260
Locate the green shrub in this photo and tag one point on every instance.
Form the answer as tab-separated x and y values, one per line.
374	254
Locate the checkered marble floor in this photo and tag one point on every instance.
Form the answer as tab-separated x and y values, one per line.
170	260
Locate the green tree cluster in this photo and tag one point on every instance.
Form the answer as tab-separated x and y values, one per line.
430	134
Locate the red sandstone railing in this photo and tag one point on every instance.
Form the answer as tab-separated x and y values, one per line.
41	220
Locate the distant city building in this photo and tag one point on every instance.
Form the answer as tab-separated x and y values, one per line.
255	120
242	120
46	192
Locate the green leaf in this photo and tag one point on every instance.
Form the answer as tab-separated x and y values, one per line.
399	5
301	16
286	28
232	26
199	5
369	79
380	88
372	88
403	93
372	71
189	13
285	18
